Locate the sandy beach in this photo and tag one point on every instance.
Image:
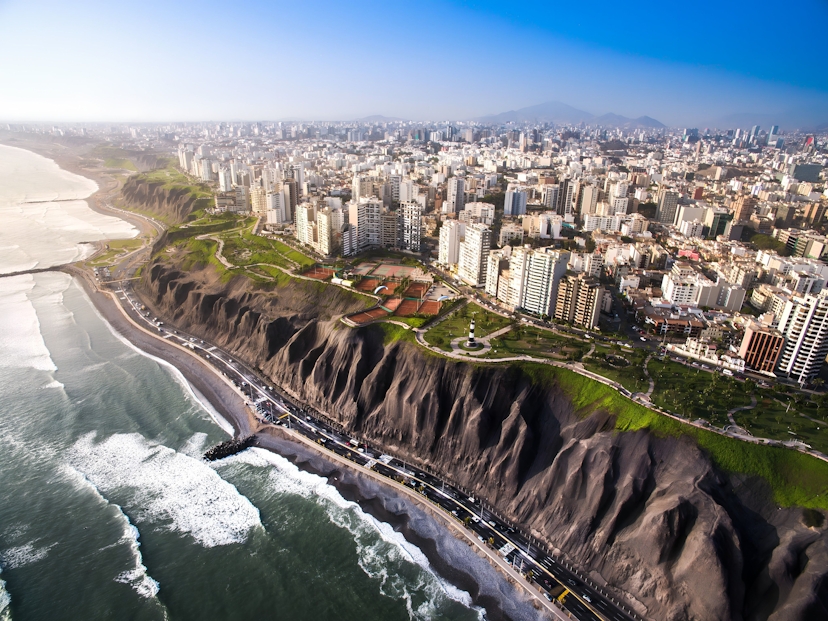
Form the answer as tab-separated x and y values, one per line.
456	555
453	553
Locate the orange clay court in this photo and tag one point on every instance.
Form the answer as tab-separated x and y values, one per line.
430	307
367	284
368	316
416	290
319	273
407	308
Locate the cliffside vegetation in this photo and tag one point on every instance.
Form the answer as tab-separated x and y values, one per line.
796	479
690	523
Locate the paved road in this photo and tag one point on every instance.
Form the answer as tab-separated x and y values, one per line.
577	595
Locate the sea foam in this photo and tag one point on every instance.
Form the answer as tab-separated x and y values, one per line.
46	222
5	601
136	575
20	556
379	546
23	346
166	488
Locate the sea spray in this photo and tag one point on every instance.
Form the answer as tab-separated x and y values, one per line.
167	487
5	601
383	553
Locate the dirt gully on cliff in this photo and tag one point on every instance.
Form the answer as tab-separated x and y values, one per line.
651	516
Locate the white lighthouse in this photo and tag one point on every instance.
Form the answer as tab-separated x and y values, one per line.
471	342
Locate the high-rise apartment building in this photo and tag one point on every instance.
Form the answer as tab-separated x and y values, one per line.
667	206
365	216
456	195
514	202
362	187
549	198
277	205
451	234
258	200
390	229
293	196
804	324
543	273
566	197
225	180
588	199
412	225
474	254
579	300
743	207
761	347
306	231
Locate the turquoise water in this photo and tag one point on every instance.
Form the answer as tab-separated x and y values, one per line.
107	510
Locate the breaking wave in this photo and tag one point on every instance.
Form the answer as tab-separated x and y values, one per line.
383	554
166	488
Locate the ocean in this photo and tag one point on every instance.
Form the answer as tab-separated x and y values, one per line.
107	510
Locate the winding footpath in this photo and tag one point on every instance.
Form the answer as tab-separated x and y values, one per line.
642	399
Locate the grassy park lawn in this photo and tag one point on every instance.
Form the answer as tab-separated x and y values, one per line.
244	249
117	247
780	418
293	254
457	324
696	393
414	322
532	341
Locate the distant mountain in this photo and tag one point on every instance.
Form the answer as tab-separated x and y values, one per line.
378	118
549	112
648	121
610	119
557	112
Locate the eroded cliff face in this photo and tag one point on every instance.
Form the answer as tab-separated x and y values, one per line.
175	204
651	516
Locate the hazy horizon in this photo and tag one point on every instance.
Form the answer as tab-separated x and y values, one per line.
93	61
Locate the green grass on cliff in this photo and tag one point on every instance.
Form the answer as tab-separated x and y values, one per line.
171	178
124	163
796	479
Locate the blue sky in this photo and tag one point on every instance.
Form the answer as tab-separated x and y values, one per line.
684	64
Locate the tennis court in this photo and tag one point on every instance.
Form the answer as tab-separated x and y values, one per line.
407	308
430	307
368	316
319	273
416	290
391	270
367	284
363	269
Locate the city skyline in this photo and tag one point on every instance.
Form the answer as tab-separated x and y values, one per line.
446	60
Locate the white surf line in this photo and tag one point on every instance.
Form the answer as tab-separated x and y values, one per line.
225	425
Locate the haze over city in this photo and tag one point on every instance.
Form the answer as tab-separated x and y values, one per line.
709	64
433	311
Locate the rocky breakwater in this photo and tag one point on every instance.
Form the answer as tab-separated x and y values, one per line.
652	516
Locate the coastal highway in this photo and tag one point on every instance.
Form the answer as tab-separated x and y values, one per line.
577	595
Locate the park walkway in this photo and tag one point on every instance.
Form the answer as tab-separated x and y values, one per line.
486	346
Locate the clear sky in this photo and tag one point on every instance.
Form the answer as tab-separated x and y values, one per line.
682	63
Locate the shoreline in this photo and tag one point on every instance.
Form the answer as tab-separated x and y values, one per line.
453	554
492	585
